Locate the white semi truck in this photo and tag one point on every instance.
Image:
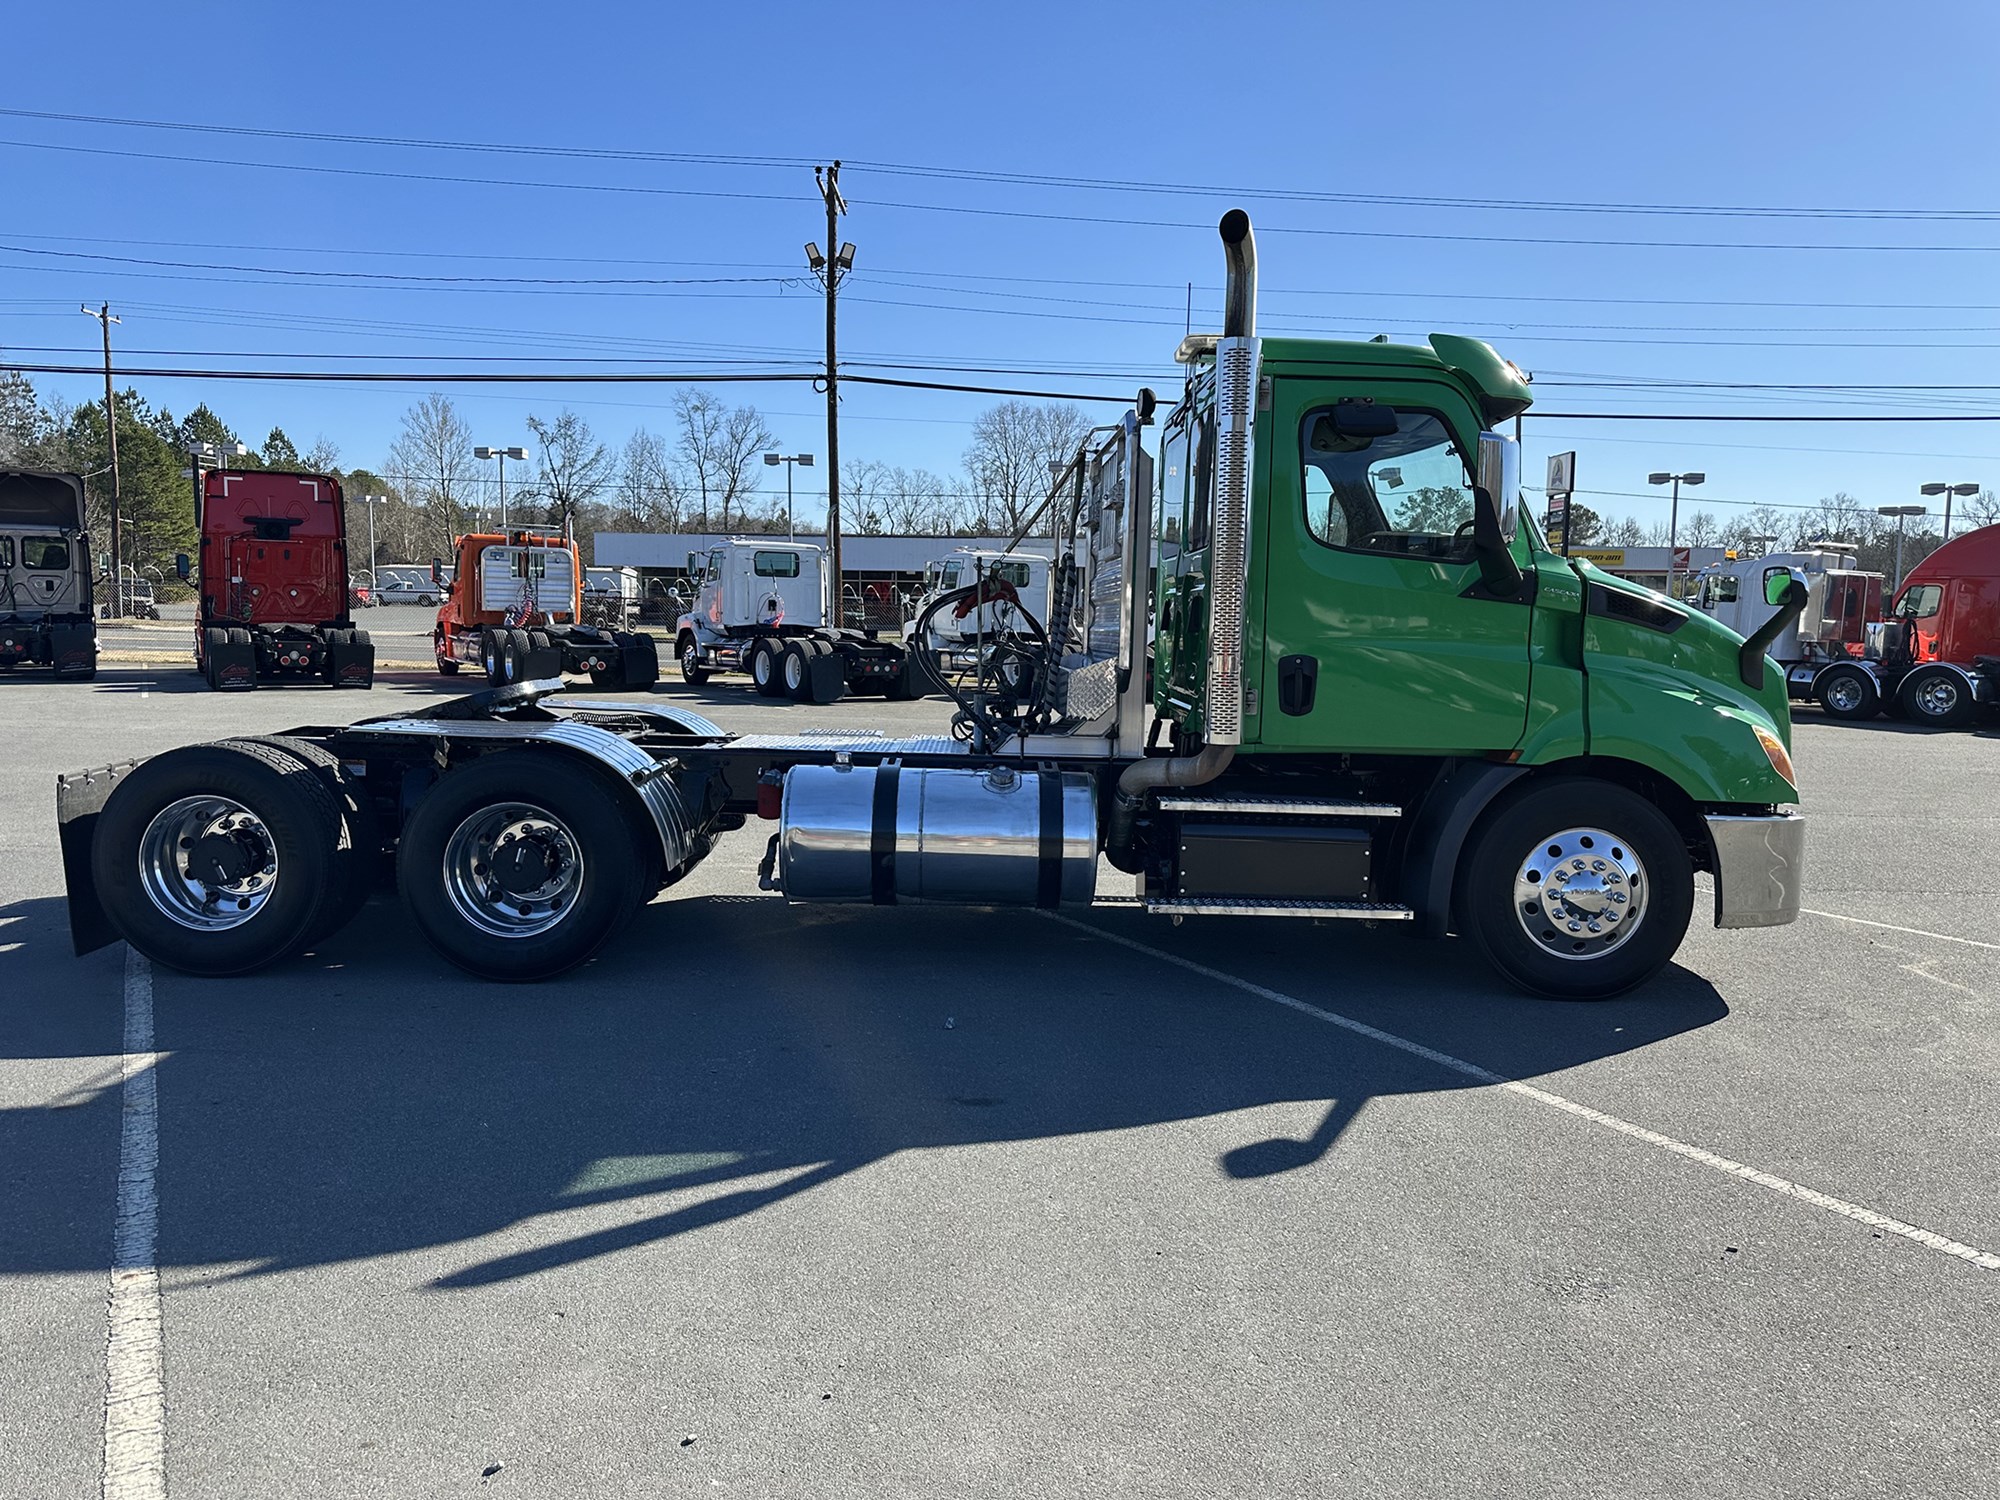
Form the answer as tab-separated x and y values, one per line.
1825	652
46	615
761	608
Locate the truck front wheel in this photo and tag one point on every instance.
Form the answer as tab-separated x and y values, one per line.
1577	889
1847	693
693	673
520	867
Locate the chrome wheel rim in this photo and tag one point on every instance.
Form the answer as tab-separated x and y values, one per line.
512	870
1581	894
208	863
1843	694
1937	696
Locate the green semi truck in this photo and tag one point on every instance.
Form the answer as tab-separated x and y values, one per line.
1302	657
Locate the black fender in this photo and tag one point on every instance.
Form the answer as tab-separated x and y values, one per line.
1463	790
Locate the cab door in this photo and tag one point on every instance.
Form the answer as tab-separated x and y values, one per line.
1379	634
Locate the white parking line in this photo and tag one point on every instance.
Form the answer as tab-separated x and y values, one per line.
135	1425
1983	1258
1942	937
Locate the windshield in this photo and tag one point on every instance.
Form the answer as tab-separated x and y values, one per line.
1407	491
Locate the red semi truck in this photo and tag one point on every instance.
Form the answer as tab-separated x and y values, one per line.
1941	652
271	583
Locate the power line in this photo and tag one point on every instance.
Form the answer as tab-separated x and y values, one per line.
1034	179
390	276
1006	213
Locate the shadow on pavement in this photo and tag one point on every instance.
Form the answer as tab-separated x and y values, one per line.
730	1053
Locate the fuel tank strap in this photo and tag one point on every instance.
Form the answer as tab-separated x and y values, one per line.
882	836
1049	849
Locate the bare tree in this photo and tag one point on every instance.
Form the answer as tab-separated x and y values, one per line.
861	484
572	467
1624	532
916	500
1013	445
432	459
1699	530
648	493
323	457
722	448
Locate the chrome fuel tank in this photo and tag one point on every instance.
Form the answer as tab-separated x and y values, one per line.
886	834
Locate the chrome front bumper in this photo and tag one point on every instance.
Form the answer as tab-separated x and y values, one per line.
1759	868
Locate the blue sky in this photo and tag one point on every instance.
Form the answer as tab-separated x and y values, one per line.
1795	106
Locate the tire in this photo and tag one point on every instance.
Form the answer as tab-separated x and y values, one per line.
795	671
441	647
238	636
538	640
572	816
514	651
764	668
492	649
1937	698
692	672
1633	862
1847	693
357	858
295	823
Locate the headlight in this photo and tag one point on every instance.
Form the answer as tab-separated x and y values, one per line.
1775	752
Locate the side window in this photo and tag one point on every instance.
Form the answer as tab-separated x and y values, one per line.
1407	492
1921	602
6	552
714	565
775	564
1725	588
1011	572
1201	482
1174	449
46	552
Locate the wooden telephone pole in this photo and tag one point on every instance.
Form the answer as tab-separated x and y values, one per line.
831	269
103	316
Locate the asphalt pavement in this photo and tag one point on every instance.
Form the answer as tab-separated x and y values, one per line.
776	1201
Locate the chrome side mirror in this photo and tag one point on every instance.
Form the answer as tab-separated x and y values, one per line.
1499	480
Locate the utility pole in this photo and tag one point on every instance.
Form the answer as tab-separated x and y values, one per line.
103	316
831	268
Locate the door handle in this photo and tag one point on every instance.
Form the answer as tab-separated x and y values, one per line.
1298	681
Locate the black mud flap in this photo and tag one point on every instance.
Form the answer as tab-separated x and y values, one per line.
351	664
73	648
534	665
232	667
826	679
639	662
80	797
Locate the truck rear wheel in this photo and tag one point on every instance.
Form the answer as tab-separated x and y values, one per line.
764	670
521	866
1847	693
1576	889
217	859
1937	698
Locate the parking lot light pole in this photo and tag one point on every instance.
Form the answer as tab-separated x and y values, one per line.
503	454
1947	490
371	501
1674	516
790	461
1900	512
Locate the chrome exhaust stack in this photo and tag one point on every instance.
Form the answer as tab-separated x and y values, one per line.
1236	362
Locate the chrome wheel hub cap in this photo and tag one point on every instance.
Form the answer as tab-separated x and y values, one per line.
1938	696
208	863
512	870
1844	693
1580	893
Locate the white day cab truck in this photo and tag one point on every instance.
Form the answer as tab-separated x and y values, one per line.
760	608
1329	704
46	616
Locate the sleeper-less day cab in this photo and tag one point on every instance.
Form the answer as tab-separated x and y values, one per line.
1299	658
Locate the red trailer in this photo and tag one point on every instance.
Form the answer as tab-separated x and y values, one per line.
272	583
